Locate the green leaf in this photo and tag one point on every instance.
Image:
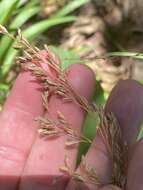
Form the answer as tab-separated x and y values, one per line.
99	97
71	56
67	57
36	29
7	8
70	7
89	130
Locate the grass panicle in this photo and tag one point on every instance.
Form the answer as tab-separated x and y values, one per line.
56	82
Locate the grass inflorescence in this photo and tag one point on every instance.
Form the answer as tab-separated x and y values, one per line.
47	70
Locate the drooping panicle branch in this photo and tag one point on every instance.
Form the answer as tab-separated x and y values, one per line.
52	128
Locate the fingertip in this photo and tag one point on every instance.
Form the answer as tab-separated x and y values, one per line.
126	102
82	79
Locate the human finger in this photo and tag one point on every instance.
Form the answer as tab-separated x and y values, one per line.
18	128
47	156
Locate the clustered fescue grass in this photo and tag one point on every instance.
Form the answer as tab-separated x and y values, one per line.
57	83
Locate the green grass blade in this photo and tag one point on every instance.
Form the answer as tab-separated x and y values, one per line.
88	130
5	43
7	8
126	54
24	6
24	16
17	22
91	123
8	62
67	57
36	29
28	4
70	7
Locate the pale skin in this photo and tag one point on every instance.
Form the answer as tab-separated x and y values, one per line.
21	147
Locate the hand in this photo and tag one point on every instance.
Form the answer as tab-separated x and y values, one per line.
29	162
